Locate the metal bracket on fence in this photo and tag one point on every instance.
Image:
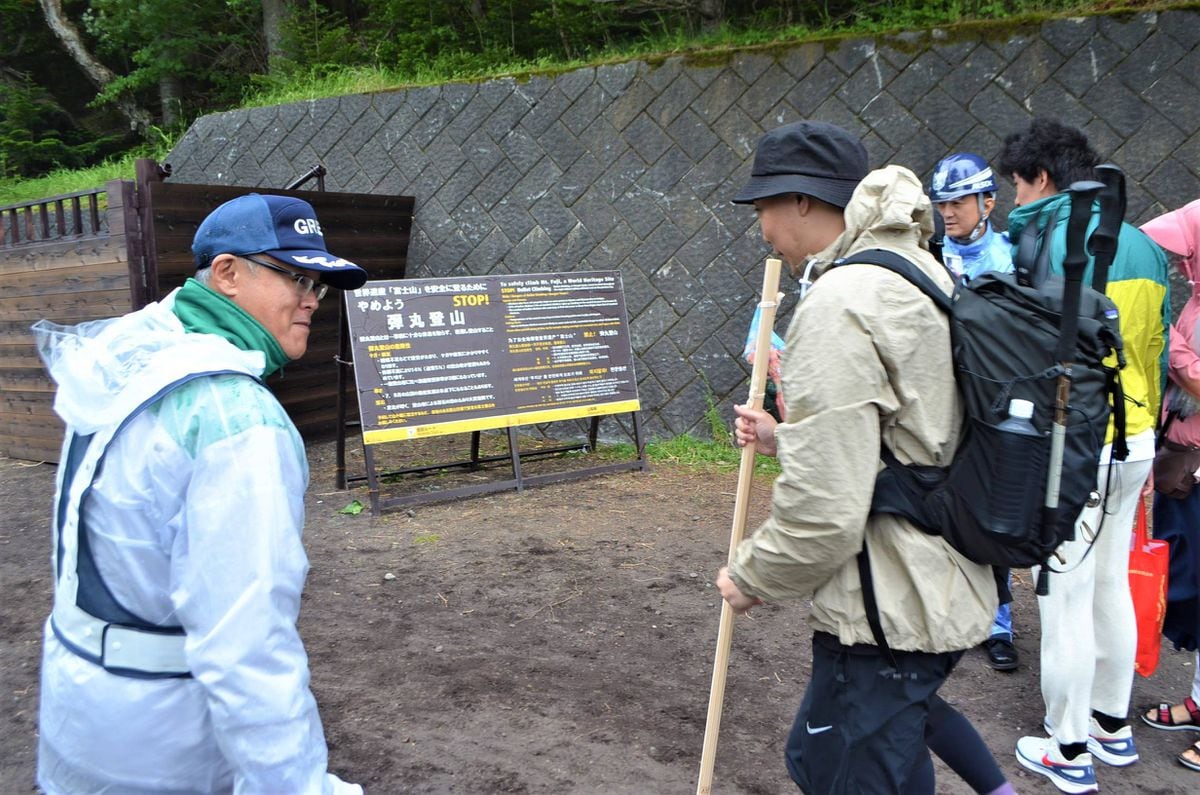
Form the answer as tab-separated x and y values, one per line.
317	172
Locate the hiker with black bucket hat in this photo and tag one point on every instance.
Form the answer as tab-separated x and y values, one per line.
867	363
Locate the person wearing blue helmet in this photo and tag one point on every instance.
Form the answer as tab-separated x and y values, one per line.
963	190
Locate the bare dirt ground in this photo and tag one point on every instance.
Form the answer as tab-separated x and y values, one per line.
558	640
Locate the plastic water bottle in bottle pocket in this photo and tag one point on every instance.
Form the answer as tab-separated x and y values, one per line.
1013	505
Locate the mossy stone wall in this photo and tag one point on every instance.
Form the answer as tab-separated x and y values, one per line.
631	166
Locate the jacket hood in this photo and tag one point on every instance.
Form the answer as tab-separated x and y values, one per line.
888	208
105	368
1177	232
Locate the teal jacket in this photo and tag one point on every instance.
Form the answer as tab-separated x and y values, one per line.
1137	284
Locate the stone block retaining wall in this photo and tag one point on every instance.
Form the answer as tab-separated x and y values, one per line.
630	166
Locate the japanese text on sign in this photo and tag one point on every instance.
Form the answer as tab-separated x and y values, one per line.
437	356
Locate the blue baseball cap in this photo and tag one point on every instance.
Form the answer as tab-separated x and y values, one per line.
283	227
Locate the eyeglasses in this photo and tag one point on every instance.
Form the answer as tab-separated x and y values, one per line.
304	284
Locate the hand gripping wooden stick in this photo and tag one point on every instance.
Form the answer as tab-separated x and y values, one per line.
758	381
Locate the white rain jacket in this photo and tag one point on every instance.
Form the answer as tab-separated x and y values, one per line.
868	361
194	521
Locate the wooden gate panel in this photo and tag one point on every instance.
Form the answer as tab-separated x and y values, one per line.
118	248
69	279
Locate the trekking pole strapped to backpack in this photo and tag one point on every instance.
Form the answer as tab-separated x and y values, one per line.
1083	194
1103	243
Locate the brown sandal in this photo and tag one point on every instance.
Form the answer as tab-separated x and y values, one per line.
1163	719
1188	763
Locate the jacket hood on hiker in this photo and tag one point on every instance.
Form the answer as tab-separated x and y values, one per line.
104	368
1178	232
868	361
193	520
1137	284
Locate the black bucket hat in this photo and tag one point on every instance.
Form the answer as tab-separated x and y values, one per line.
809	157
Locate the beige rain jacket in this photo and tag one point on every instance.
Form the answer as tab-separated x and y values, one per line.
868	359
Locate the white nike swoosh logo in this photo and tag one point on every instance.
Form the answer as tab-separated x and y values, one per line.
818	730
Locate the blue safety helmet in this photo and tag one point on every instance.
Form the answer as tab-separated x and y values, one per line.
964	174
961	175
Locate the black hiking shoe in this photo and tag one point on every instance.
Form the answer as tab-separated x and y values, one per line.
1001	654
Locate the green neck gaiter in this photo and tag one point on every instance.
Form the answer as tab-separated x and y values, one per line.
203	310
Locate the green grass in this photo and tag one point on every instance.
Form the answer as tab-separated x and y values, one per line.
716	454
64	181
880	19
67	180
333	82
303	88
687	451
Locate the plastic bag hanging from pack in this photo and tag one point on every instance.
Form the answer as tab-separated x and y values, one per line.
1148	586
773	400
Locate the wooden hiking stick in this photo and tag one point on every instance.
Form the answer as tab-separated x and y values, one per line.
758	381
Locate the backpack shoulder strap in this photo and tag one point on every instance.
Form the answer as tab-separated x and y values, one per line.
872	605
901	266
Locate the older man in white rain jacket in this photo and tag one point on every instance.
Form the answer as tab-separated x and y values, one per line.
171	661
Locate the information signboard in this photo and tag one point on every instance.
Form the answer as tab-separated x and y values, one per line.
453	355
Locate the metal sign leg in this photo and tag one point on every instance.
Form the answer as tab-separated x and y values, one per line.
515	454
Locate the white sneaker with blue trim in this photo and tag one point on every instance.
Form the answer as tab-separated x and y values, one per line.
1042	755
1112	748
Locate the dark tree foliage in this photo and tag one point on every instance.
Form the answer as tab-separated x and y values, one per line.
45	121
184	58
208	48
37	135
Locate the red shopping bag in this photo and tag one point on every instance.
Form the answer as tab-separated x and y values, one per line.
1148	585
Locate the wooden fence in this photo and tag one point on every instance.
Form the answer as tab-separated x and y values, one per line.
102	253
61	259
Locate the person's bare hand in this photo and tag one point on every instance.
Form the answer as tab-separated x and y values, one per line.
732	594
754	426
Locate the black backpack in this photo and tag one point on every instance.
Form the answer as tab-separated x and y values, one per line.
1004	339
1010	336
